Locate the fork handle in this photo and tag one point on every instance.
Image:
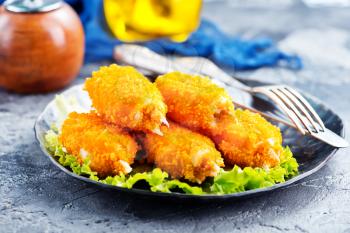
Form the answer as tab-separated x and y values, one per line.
144	58
208	68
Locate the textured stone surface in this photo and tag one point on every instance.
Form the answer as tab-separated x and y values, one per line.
36	197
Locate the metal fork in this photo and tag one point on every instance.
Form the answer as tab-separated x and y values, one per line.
290	101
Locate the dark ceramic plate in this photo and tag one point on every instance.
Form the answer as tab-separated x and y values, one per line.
310	153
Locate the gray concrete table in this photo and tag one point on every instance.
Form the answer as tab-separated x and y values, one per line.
37	197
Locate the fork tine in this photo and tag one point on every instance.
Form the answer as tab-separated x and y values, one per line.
290	105
284	107
300	106
308	106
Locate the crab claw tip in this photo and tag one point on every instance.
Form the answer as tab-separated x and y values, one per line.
157	131
165	122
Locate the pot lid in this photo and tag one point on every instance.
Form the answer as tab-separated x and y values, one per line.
31	6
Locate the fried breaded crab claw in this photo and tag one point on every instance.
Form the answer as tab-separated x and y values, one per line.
248	140
110	150
183	153
123	96
193	101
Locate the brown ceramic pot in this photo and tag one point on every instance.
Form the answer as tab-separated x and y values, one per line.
40	51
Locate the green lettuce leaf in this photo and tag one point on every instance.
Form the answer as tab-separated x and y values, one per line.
239	180
172	184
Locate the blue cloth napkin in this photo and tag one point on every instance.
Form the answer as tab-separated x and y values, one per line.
208	41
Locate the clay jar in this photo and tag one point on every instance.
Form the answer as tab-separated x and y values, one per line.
41	46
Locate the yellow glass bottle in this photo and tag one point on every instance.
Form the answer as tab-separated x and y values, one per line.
140	20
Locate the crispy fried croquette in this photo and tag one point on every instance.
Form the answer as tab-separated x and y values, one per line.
123	96
110	150
183	153
193	101
248	140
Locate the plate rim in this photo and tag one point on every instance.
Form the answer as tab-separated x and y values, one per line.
184	195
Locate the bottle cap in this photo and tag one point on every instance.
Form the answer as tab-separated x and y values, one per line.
32	6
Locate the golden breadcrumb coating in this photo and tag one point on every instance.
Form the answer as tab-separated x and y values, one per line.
247	139
193	101
110	150
183	153
125	97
